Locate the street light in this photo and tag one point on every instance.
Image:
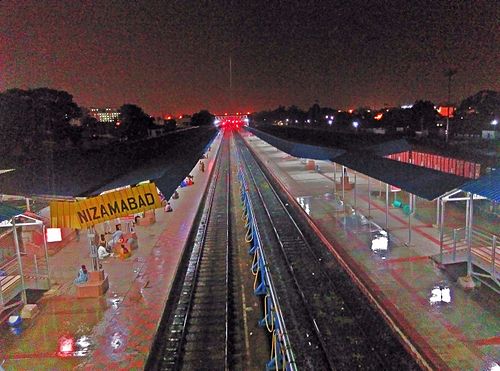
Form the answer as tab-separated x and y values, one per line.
494	123
355	124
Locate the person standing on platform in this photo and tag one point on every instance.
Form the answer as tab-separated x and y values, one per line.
202	166
168	207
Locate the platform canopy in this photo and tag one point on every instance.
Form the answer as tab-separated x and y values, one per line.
487	186
368	159
69	174
420	181
7	212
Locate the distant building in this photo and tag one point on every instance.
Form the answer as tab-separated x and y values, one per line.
446	110
105	114
160	121
183	121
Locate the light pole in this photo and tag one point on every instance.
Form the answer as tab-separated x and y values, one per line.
449	73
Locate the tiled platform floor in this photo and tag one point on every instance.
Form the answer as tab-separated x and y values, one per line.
461	334
117	330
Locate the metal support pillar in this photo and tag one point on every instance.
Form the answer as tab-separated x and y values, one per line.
369	198
467	213
355	198
410	215
469	235
93	249
493	256
335	178
343	184
19	261
441	229
46	254
387	206
438	211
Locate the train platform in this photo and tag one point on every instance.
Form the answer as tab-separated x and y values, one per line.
117	330
452	328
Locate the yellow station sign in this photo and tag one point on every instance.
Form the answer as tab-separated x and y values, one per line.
108	206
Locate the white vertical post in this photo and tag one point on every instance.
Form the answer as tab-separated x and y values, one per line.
493	255
46	253
369	198
438	211
469	235
355	198
386	205
441	229
335	179
409	219
19	261
467	212
343	183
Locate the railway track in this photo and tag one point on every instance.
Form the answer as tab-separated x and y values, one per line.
325	331
198	334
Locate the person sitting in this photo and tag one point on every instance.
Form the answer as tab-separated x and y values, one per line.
103	242
175	196
117	235
132	243
168	208
83	275
102	252
124	252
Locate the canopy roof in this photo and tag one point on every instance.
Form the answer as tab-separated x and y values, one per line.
487	186
423	182
7	211
164	160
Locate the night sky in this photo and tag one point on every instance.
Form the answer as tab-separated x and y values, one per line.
173	56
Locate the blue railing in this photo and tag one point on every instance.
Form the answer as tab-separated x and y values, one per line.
282	356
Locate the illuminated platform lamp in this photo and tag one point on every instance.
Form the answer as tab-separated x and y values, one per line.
54	234
66	346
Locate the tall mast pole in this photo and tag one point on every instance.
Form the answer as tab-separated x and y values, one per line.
230	74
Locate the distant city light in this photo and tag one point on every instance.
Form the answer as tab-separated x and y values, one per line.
330	122
378	116
406	106
351	111
308	121
494	122
355	124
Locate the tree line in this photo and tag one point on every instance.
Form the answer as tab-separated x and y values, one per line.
473	114
33	119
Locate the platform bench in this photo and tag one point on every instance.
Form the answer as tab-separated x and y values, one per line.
92	289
